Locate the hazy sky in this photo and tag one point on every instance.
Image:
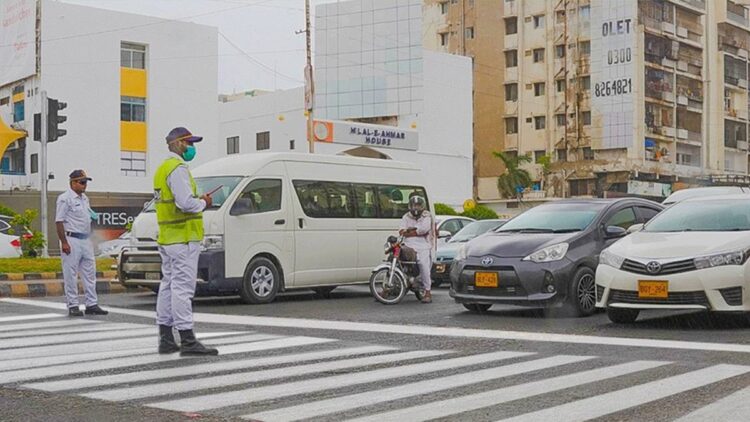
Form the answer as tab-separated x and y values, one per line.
272	55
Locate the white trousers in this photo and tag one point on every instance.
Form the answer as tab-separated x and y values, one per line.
179	268
80	260
424	260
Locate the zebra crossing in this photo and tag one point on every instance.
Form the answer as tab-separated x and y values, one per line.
271	377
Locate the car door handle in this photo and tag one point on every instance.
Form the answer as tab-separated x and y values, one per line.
301	223
279	222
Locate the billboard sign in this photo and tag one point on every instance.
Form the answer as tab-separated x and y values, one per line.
17	40
341	132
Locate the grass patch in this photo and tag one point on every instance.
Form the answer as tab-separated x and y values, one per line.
44	265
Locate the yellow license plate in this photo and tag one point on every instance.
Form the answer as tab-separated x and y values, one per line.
652	289
440	268
485	279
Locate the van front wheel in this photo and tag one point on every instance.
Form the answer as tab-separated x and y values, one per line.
261	281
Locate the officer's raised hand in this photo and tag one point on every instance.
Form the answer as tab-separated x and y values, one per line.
206	197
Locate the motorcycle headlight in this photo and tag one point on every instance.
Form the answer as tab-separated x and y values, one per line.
611	259
460	253
549	254
726	258
212	242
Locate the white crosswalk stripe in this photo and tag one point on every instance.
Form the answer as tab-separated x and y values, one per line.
68	330
68	338
733	408
29	317
48	324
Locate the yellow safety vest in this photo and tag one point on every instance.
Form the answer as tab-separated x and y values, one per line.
175	226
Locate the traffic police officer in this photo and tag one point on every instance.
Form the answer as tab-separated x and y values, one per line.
179	214
73	222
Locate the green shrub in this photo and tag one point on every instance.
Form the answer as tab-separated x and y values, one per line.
32	240
442	209
480	212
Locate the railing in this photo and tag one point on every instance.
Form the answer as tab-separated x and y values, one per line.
698	4
737	18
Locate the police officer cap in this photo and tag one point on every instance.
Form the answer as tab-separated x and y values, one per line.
182	134
79	175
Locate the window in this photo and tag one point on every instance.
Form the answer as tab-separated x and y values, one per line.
538	155
511	125
560	51
586	118
539	89
469	33
560	16
538	21
512	154
291	144
588	153
584	12
511	92
4	101
560	118
453	226
444	7
325	199
586	83
132	55
540	122
562	154
538	55
647	213
584	48
132	109
393	201
19	111
133	163
233	145
580	187
623	218
262	141
259	196
511	26
511	58
34	162
443	39
367	206
560	85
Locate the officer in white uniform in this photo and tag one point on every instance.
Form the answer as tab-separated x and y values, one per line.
73	222
418	229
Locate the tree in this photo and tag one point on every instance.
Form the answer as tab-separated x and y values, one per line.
443	209
514	177
31	240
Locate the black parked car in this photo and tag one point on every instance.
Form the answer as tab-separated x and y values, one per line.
546	256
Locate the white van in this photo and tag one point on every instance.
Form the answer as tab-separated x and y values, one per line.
285	221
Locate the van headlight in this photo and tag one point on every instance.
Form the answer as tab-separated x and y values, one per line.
726	258
610	259
212	242
460	253
549	254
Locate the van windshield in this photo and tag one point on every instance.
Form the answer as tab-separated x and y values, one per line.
207	184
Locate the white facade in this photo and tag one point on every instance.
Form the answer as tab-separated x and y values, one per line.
80	65
444	127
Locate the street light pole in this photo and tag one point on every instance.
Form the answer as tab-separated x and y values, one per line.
43	172
309	85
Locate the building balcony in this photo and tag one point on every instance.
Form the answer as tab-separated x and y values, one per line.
735	44
511	41
666	96
511	73
510	8
696	5
734	81
738	17
511	107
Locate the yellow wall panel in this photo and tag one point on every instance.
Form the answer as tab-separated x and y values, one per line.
132	82
18	97
133	136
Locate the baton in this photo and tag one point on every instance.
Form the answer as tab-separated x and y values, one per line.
214	190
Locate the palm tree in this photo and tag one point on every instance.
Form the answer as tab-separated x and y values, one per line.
514	176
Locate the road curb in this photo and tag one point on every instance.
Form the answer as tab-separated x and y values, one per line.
44	288
48	276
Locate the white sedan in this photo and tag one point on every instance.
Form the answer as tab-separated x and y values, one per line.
693	255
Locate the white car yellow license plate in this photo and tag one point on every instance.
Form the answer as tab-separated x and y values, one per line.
653	289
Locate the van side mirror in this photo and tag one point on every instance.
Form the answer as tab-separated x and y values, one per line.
444	234
635	228
615	231
241	207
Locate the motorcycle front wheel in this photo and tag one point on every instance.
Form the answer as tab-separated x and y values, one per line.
385	292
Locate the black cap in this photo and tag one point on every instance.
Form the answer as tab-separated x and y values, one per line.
79	175
180	133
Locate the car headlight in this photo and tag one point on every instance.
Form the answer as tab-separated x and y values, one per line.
212	242
549	254
726	258
460	253
611	259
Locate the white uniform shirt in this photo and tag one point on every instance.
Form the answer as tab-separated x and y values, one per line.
179	182
74	212
424	238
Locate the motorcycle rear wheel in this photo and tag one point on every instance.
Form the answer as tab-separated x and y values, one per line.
385	293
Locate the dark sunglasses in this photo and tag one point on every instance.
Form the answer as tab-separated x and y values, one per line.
82	182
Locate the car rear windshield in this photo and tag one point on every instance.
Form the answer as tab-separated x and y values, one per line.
724	215
555	218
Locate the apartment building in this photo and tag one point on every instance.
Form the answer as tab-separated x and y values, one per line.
611	96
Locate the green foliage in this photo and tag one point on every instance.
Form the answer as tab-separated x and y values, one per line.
442	209
545	161
514	176
32	240
7	211
480	212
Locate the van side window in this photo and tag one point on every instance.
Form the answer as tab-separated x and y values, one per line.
366	197
261	195
394	200
325	199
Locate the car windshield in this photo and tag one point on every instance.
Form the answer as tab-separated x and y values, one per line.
554	218
208	184
475	229
708	216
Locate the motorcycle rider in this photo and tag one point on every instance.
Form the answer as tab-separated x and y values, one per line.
418	229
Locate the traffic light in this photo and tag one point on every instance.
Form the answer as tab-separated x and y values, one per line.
54	119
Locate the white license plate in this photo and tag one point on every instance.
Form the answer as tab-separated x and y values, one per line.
153	276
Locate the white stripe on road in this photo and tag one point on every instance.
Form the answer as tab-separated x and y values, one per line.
255	362
27	317
605	404
213	401
420	388
173	387
48	324
733	408
460	404
71	330
60	370
425	330
88	347
65	338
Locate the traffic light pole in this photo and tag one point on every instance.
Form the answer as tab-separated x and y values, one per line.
43	173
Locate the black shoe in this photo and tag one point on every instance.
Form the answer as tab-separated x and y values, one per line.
74	311
192	347
166	340
95	310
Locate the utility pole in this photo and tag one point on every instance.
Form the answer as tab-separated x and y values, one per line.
309	84
43	172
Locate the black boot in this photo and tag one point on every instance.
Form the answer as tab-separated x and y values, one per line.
192	347
166	340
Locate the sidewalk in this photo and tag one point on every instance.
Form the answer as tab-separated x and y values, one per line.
51	284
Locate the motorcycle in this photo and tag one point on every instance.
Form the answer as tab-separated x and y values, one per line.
397	275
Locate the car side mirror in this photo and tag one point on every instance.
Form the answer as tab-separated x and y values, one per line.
635	228
444	234
241	207
615	231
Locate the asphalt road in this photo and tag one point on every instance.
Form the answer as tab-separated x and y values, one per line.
577	368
